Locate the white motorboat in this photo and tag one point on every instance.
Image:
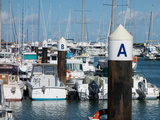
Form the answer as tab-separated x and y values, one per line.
103	63
142	89
150	52
75	71
44	83
87	67
6	56
25	67
93	87
137	52
13	86
150	56
5	111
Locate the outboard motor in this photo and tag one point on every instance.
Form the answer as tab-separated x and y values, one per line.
141	90
93	89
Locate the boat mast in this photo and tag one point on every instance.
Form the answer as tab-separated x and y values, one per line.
67	34
10	22
39	20
49	31
32	18
82	21
112	16
27	23
59	30
150	24
22	47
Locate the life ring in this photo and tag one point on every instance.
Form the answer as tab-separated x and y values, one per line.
134	59
38	61
99	113
69	74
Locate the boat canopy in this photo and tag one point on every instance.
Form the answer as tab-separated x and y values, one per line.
97	79
30	56
8	69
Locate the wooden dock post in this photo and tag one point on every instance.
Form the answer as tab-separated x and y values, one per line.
44	51
62	52
120	75
36	48
32	46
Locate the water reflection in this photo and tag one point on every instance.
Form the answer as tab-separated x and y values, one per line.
145	109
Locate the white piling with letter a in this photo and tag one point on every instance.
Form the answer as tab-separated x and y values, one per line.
120	75
62	52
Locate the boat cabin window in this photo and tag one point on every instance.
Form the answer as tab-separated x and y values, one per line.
7	55
77	67
37	70
54	57
1	55
84	60
74	67
48	70
69	67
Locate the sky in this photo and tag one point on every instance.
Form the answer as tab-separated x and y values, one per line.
135	16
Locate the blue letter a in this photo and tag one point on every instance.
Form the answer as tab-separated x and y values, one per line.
122	52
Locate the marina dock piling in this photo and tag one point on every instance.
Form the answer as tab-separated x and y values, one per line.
62	52
36	48
32	47
120	75
44	51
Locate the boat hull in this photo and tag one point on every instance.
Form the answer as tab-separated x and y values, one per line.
11	94
50	93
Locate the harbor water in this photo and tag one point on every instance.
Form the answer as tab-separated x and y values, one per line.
81	110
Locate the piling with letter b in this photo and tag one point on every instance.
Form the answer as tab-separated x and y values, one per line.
62	52
120	75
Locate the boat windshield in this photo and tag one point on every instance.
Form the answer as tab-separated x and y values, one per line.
37	70
74	67
5	55
48	70
1	55
138	73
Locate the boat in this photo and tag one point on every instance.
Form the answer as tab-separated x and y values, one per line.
88	67
6	56
5	111
13	86
103	63
25	67
93	87
44	83
150	52
137	52
142	89
75	72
